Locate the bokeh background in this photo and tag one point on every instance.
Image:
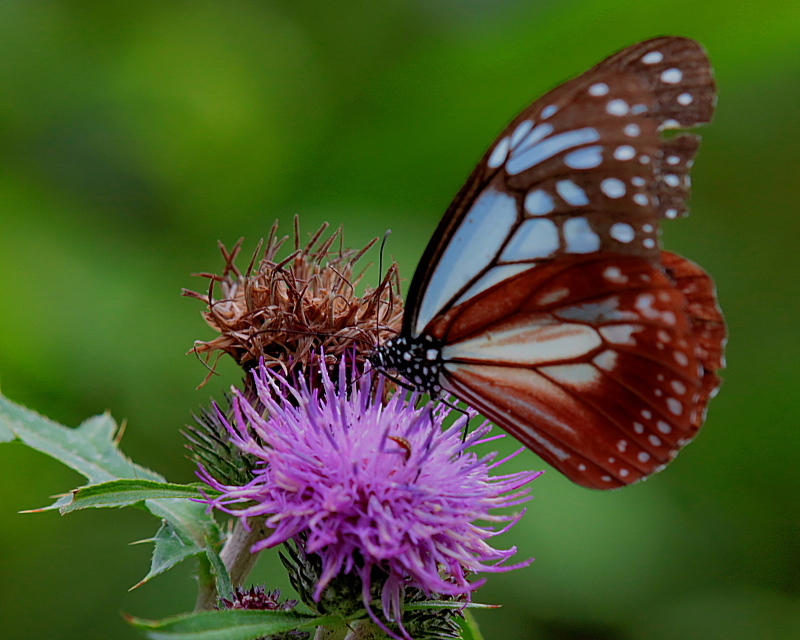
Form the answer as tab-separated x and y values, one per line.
133	136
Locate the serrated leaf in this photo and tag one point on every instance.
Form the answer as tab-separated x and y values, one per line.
170	549
223	578
190	518
92	451
127	491
469	627
230	625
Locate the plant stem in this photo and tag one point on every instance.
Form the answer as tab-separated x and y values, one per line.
326	633
363	630
237	559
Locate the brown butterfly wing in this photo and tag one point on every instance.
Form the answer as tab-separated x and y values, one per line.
600	364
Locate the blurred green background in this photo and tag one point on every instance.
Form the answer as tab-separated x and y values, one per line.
133	136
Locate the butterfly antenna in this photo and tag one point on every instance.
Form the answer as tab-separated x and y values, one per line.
380	283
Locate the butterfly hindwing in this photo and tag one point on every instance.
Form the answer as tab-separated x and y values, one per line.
591	362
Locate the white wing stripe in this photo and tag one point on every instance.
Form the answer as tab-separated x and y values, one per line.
527	343
535	238
473	246
540	132
491	278
525	159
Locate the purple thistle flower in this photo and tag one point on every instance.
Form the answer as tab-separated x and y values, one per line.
366	485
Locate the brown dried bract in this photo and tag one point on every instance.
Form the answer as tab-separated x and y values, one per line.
290	311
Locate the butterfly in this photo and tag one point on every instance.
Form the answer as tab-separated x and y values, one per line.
543	299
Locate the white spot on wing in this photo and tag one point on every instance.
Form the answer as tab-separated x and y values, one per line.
685	99
675	406
617	107
620	333
571	193
681	358
606	360
613	187
579	236
575	375
632	130
615	275
549	111
523	128
624	152
678	387
539	203
653	57
598	89
622	231
535	238
498	156
672	76
654	440
474	245
586	158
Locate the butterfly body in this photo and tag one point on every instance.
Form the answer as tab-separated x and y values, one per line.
544	300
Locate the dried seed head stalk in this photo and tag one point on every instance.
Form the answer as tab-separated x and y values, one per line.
288	311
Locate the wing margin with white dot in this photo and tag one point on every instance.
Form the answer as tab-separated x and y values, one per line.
592	362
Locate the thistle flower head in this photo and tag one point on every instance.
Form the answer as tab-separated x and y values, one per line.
288	311
370	488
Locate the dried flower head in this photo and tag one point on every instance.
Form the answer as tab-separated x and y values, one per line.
370	488
288	311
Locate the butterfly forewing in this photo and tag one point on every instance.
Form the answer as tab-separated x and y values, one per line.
583	169
543	299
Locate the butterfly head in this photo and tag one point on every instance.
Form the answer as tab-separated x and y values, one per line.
417	360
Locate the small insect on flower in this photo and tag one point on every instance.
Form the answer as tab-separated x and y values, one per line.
370	488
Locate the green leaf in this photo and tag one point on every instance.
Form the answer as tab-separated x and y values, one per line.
235	624
190	518
170	549
92	450
127	491
224	586
469	627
